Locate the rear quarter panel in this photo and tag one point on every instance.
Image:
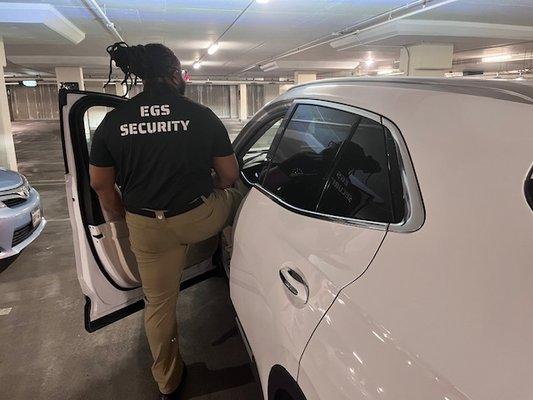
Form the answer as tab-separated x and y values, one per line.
455	297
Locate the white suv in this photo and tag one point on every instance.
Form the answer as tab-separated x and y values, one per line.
384	249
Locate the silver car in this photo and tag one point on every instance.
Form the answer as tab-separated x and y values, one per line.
21	215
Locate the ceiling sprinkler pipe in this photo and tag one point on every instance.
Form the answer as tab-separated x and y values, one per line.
93	6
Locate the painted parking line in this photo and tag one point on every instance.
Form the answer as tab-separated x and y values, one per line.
5	311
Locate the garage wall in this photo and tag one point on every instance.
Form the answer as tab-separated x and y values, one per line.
41	102
33	103
256	98
216	97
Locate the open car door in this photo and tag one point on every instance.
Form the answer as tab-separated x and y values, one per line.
106	267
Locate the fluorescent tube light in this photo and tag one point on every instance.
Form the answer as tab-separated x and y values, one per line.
498	58
212	49
29	83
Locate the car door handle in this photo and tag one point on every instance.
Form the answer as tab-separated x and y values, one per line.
295	284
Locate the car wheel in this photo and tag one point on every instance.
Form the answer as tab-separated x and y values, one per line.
6	262
283	395
282	386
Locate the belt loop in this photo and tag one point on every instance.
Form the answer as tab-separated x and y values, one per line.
160	214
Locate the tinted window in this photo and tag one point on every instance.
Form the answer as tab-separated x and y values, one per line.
305	153
360	182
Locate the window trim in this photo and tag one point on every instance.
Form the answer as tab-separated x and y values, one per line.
414	208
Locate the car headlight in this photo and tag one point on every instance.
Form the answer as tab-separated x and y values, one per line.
25	188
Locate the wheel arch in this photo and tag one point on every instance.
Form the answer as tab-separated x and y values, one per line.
282	386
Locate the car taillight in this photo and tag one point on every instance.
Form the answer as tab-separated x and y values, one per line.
528	189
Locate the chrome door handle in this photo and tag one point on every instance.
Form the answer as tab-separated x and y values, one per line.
295	284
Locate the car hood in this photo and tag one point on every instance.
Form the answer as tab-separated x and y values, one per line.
9	179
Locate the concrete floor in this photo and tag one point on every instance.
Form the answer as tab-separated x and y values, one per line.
47	354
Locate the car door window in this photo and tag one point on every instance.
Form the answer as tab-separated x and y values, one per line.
305	153
254	161
365	182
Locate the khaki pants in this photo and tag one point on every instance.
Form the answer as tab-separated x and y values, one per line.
160	246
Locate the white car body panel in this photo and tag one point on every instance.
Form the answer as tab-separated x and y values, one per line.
328	255
441	313
459	292
351	357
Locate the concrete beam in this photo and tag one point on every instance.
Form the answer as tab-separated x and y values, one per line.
36	13
309	65
447	30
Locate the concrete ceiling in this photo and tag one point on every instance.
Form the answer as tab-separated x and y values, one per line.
262	33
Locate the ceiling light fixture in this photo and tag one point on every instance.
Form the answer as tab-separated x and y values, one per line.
269	66
213	48
29	83
498	58
197	64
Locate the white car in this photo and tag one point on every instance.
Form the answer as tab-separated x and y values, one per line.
384	250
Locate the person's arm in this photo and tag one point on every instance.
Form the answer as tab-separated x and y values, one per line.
103	183
224	162
226	171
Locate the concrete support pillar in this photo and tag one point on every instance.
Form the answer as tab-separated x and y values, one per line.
304	77
71	75
233	102
94	86
426	59
120	89
8	158
243	105
284	88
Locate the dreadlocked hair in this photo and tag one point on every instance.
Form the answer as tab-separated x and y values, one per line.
147	62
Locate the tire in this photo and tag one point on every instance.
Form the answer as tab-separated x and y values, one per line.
282	386
6	262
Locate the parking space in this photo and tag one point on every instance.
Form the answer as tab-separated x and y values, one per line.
50	355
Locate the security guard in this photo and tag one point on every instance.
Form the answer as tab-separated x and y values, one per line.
173	163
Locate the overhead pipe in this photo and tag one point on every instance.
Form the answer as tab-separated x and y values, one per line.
93	6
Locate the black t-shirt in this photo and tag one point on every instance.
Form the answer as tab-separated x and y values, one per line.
162	147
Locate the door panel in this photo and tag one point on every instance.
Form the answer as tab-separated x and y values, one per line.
352	357
268	238
105	264
311	226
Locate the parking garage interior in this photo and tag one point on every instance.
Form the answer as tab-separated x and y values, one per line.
237	56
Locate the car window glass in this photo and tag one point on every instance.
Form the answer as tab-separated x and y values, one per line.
305	153
265	141
255	159
359	186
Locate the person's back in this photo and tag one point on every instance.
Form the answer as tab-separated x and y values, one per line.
163	138
173	163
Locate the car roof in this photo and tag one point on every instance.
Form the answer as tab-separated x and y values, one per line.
492	88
